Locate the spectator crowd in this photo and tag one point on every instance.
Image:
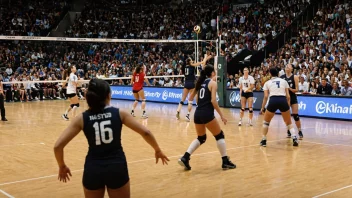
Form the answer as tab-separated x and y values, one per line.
321	55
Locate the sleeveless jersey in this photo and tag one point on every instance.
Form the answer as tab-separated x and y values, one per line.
204	97
138	81
246	83
291	83
190	73
71	88
276	86
103	132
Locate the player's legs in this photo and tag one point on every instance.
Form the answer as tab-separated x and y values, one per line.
123	192
294	108
2	108
268	115
214	127
287	119
74	104
135	103
202	137
243	108
184	96
94	193
189	105
250	107
141	96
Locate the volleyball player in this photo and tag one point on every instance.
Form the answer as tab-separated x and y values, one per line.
71	92
190	78
105	165
277	90
2	105
138	80
204	118
246	89
293	82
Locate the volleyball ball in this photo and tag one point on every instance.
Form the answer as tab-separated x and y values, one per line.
196	29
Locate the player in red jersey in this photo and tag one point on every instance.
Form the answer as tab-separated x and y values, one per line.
138	80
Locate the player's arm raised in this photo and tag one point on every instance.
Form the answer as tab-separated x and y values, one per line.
131	123
213	89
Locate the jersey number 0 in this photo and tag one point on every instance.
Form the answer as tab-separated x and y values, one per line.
101	130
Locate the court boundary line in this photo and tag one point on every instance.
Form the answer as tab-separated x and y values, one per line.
6	194
327	144
330	192
132	162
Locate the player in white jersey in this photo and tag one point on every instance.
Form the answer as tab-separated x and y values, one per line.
277	90
71	92
247	83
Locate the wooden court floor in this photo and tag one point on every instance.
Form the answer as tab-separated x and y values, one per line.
320	167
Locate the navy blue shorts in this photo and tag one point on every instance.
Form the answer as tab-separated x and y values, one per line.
277	102
247	95
203	117
97	176
189	85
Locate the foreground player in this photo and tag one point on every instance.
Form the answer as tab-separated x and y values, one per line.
138	92
71	92
246	89
279	98
204	119
105	165
190	78
293	81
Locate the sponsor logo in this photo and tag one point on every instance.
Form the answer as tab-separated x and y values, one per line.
31	38
324	108
61	39
235	97
165	95
302	106
10	37
81	39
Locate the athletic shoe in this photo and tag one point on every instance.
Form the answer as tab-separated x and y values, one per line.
64	116
295	141
227	164
178	115
300	134
240	123
263	143
132	114
184	162
144	115
187	118
288	134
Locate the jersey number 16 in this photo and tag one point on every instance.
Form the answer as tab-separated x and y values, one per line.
102	132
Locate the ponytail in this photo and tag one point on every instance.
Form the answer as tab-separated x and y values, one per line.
200	80
206	72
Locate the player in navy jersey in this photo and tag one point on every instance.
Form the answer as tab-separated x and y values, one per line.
277	90
204	118
190	79
105	165
293	81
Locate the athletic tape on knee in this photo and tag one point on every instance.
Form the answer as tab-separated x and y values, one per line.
202	139
295	117
266	124
220	136
182	103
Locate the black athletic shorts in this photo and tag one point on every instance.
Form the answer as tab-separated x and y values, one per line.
71	95
277	102
97	176
189	85
247	95
136	91
203	117
293	99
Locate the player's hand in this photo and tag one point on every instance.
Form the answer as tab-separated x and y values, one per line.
224	120
64	174
162	156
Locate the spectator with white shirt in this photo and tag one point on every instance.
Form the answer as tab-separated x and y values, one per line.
303	86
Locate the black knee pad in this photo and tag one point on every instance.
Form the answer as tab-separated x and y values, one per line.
250	110
295	117
243	110
182	103
202	139
220	136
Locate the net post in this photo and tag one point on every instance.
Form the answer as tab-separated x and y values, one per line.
221	76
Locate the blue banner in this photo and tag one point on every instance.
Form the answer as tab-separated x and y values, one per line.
325	107
154	94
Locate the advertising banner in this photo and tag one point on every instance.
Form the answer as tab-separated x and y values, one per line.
233	99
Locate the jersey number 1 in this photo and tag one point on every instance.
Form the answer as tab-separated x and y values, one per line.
101	130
